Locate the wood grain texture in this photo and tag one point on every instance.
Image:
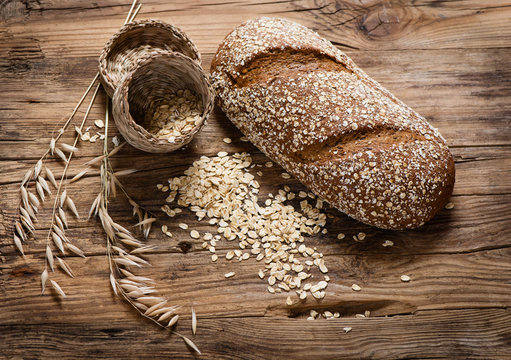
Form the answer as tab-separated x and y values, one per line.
450	60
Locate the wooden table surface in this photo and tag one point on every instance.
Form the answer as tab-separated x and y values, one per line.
449	60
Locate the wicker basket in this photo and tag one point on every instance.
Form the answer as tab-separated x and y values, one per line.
155	76
133	41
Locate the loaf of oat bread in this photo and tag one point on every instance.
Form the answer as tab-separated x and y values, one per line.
308	107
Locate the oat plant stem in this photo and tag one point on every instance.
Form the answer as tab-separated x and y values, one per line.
62	178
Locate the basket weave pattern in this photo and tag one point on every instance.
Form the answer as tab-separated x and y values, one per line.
133	41
155	75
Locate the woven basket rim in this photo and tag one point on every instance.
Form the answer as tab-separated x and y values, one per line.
121	94
145	23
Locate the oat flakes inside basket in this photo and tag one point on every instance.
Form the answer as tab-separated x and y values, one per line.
174	115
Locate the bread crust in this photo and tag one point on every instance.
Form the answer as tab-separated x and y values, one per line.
308	107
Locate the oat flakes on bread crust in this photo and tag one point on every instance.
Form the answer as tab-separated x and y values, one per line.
307	106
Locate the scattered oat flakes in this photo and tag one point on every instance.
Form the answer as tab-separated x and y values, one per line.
227	140
289	302
449	205
99	123
341	236
347	329
183	226
273	231
355	287
405	278
388	243
261	274
285	176
230	274
214	257
194	234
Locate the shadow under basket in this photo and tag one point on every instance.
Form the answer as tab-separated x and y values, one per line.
133	41
163	102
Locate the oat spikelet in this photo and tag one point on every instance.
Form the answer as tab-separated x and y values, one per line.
149	311
126	262
116	150
143	249
130	242
94	207
164	310
28	215
95	161
145	222
63	217
59	222
141	279
20	231
191	344
60	154
64	266
194	321
71	205
26	219
44	184
51	177
37	168
150	300
78	176
136	259
57	288
58	241
125	172
68	148
30	211
49	257
24	196
17	242
44	279
40	191
52	145
63	198
33	200
75	249
173	321
27	176
113	283
166	315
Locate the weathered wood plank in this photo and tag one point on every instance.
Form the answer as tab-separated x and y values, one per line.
375	25
465	93
476	222
448	60
473	165
454	281
429	334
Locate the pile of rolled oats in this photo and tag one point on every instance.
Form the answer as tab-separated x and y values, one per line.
174	115
222	189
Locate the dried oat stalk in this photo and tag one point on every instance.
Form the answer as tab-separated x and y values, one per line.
137	290
125	252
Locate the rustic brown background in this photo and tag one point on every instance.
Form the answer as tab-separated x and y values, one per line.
450	60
